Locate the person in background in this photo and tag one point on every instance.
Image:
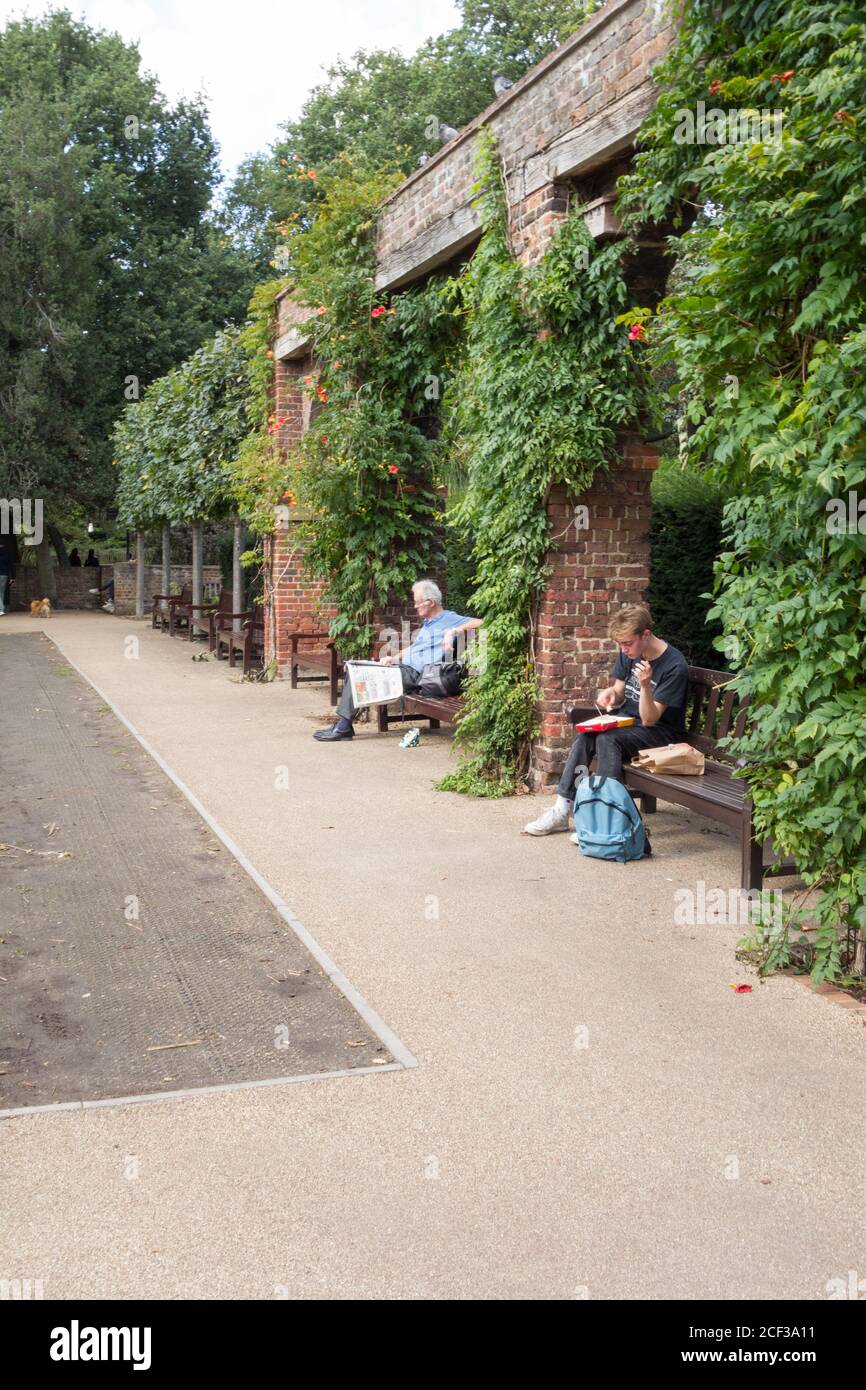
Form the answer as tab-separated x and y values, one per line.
91	559
7	574
75	558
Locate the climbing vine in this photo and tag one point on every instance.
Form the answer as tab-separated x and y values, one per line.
546	376
767	333
367	468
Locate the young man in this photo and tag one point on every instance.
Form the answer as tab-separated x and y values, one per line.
650	683
432	643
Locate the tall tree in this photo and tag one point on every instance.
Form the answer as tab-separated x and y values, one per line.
112	267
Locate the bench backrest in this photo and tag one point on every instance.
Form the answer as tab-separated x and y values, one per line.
225	604
713	710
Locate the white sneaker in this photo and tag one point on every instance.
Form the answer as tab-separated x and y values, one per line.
552	820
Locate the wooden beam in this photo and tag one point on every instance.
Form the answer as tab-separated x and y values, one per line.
430	248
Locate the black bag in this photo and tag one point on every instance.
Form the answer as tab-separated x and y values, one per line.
440	679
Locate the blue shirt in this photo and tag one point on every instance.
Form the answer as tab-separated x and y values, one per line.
427	645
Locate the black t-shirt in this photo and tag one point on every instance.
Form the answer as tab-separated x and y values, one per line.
669	686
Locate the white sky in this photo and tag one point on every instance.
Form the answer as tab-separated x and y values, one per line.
255	60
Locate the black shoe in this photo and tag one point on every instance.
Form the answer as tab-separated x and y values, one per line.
647	848
334	734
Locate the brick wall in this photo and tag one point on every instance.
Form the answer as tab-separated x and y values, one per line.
71	586
297	599
547	126
124	576
594	570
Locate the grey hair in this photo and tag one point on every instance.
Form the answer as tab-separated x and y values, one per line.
427	589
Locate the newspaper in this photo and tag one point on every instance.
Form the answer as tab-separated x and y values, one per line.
373	684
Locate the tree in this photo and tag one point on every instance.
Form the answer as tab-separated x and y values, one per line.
112	267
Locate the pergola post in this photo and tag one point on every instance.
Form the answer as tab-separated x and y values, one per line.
166	557
139	574
197	569
238	571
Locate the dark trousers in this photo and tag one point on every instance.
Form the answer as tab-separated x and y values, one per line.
346	707
610	750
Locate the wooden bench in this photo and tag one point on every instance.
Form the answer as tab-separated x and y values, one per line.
248	643
206	616
163	613
327	661
713	711
437	711
441	711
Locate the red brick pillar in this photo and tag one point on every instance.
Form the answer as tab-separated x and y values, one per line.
599	559
295	599
534	220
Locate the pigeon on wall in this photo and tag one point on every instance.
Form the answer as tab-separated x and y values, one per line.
423	159
501	83
446	132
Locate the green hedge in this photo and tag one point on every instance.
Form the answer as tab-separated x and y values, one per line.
685	539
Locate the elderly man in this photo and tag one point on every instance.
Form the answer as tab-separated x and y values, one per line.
432	643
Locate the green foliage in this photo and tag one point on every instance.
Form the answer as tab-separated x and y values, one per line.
258	468
546	377
766	334
175	447
685	540
110	264
366	469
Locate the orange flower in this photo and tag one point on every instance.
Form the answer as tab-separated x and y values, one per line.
392	468
322	309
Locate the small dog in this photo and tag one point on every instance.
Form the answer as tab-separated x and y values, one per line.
41	608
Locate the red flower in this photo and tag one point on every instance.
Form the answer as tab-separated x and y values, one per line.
783	76
324	439
392	468
307	380
741	989
636	333
844	117
321	393
715	86
377	313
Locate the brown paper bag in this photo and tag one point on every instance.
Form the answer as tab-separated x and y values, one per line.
679	758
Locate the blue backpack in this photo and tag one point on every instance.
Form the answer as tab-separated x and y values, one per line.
607	822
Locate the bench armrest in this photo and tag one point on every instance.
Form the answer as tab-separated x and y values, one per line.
220	618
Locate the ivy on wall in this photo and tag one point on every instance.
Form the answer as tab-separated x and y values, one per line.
546	377
766	333
367	469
